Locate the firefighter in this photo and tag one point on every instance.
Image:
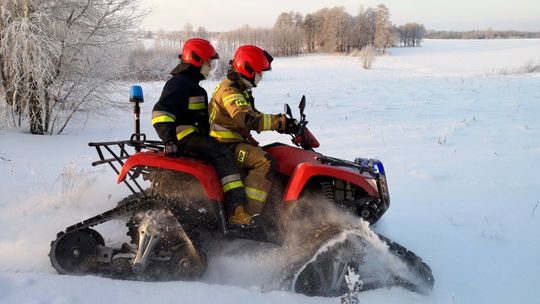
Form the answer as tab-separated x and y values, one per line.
180	118
233	115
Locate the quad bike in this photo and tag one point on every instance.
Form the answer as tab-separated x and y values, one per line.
171	221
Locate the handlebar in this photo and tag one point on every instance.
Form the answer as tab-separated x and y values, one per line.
302	137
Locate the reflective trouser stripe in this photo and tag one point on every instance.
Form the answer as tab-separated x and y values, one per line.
230	178
256	194
232	181
232	185
183	131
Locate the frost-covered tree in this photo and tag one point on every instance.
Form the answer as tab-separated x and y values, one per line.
287	35
384	35
411	34
310	32
59	57
202	32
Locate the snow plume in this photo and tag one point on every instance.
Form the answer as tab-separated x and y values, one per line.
311	226
325	225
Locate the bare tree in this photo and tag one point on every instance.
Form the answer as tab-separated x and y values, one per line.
27	64
58	57
383	28
411	34
310	31
367	19
202	32
151	64
188	30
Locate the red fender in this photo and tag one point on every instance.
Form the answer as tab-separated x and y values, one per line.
305	171
203	172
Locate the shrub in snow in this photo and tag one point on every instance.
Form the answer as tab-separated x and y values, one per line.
367	54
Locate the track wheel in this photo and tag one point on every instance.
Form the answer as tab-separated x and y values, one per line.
75	252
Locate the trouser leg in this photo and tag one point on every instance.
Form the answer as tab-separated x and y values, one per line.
221	157
258	180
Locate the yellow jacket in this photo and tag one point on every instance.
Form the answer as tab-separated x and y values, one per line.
233	115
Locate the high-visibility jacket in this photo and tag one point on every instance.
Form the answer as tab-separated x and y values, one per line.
233	114
182	107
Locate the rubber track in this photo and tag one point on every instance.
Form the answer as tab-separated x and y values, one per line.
124	209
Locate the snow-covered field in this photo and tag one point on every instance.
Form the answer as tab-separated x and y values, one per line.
459	138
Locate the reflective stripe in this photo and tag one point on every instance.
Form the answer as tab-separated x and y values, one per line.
232	185
226	134
213	114
197	106
216	89
230	178
197	103
221	132
159	113
267	122
256	194
216	127
196	99
234	97
183	131
162	116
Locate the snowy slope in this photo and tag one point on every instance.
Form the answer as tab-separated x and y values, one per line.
460	142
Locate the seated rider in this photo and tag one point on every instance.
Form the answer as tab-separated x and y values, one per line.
180	118
233	115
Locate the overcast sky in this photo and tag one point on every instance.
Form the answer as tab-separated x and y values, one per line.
434	14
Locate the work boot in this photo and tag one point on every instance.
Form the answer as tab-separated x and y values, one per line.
240	217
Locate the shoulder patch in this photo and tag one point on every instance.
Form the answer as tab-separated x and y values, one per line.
241	102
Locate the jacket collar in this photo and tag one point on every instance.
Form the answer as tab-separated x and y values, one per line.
188	70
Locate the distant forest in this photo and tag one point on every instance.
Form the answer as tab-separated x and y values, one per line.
326	30
480	34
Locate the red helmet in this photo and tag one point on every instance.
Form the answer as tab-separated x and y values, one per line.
249	60
197	50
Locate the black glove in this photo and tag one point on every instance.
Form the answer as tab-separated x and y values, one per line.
291	126
171	149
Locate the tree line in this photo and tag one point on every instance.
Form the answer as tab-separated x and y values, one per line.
328	30
480	34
